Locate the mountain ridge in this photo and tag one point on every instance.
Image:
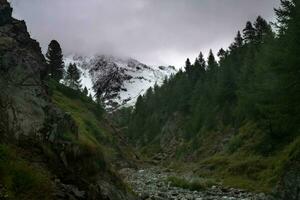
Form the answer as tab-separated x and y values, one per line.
119	81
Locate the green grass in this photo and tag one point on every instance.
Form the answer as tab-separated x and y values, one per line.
93	131
88	116
239	163
21	179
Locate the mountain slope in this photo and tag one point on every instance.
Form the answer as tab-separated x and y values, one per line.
119	80
48	149
237	119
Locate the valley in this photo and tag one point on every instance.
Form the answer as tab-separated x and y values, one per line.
225	127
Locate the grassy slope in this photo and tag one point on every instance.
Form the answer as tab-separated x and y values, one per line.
94	130
239	163
24	171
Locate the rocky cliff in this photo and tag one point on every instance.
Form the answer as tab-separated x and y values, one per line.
50	154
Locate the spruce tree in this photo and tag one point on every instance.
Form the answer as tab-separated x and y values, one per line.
211	62
221	54
238	42
262	28
72	78
284	14
188	66
249	33
55	62
85	91
202	62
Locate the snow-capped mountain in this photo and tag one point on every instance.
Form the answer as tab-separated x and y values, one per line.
119	80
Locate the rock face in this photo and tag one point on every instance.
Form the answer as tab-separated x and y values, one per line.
119	80
23	97
30	120
5	10
289	186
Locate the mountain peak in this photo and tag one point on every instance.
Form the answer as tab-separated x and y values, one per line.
119	80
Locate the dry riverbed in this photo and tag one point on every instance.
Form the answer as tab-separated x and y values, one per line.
154	183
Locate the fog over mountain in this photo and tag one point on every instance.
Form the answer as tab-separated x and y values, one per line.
159	32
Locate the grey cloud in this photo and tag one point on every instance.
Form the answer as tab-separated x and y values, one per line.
153	31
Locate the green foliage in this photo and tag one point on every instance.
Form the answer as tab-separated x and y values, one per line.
253	91
234	144
22	180
254	81
72	78
55	61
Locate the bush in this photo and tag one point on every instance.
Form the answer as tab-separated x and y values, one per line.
234	144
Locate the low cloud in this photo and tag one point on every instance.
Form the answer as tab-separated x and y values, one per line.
152	31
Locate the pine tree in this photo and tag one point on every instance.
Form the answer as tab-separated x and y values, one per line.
222	54
249	33
262	29
55	62
238	42
211	62
85	91
72	78
284	14
202	62
188	66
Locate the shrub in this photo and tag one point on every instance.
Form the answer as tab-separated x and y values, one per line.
234	144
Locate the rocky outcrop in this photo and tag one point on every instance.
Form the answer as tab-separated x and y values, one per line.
289	186
22	97
5	10
30	120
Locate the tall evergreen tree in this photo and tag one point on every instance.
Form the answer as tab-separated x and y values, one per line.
249	33
238	42
221	54
85	91
72	78
285	14
55	62
188	66
211	63
262	28
202	62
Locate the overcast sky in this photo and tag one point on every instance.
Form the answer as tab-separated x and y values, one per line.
156	32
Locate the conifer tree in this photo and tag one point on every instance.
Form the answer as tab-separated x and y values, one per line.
221	54
188	66
284	14
55	62
72	78
238	42
202	62
249	33
85	91
211	62
262	28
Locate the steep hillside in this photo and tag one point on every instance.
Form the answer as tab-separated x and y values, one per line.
119	81
49	150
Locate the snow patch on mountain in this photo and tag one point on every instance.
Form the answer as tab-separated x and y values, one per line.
119	80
